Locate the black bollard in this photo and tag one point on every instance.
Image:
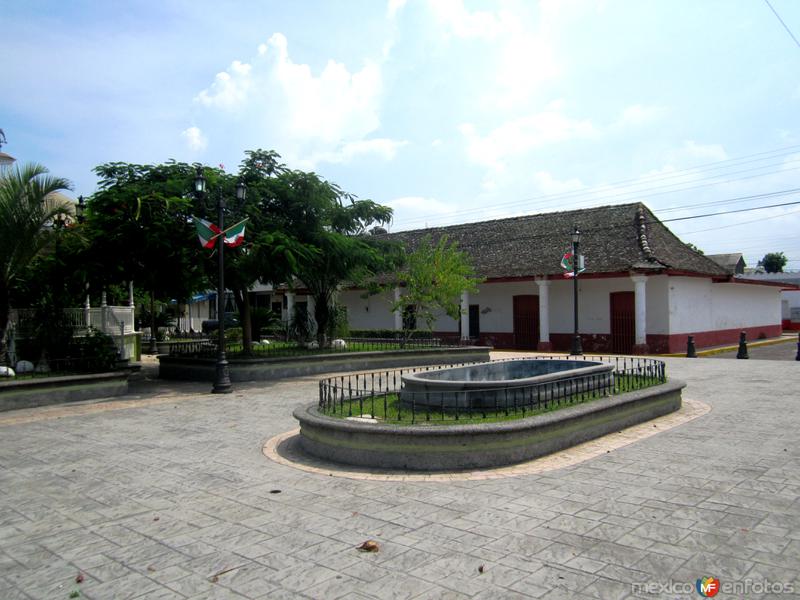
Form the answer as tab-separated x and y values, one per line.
742	346
690	350
798	347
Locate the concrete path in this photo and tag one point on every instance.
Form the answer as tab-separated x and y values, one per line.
786	350
169	497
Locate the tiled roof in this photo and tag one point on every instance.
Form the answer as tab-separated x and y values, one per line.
619	238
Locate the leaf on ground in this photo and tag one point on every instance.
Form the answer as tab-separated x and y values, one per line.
369	546
151	568
481	569
274	491
156	518
79	578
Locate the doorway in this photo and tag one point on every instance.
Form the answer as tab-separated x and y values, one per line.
526	321
623	322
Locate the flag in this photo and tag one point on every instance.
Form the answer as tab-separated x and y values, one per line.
207	232
567	265
234	235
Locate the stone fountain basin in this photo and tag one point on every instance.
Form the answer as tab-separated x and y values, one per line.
501	384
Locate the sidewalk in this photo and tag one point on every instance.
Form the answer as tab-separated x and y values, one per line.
171	498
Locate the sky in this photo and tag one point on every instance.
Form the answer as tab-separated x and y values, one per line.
447	110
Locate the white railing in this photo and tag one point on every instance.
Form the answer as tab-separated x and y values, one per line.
112	320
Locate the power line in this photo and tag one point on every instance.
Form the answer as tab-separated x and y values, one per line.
639	186
785	26
728	212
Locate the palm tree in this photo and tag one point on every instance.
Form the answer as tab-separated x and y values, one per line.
25	213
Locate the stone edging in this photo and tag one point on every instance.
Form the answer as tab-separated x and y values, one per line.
431	448
42	391
284	449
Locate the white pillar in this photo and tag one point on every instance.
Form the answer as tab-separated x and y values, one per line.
130	294
464	315
103	312
289	306
640	282
398	314
544	314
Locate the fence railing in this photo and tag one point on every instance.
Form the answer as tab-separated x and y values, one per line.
104	318
278	348
381	395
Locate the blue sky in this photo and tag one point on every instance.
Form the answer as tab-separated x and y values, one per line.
448	111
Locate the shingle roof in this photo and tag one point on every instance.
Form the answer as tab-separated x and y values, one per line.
728	261
614	239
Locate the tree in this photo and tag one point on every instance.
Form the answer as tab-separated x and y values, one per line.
139	228
773	262
695	248
24	216
435	275
333	225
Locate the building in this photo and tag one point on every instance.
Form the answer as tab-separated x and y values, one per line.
733	263
643	290
790	296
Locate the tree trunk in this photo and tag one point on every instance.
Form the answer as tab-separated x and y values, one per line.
153	328
242	300
4	308
322	315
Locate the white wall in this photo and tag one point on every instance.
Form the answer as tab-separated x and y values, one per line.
372	312
698	304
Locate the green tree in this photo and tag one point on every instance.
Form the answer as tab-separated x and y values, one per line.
333	225
435	274
773	262
138	224
695	248
24	216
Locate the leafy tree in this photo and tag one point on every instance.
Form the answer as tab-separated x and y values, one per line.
695	248
435	274
139	228
24	216
333	225
773	262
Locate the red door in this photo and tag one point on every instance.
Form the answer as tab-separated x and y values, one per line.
623	322
526	321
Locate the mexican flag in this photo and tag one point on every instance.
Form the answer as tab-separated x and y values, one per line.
207	232
568	265
234	235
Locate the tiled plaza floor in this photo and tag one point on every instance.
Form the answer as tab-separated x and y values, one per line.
170	497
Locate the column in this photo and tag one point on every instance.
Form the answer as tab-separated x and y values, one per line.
289	306
640	343
544	344
87	305
103	312
464	315
130	294
398	314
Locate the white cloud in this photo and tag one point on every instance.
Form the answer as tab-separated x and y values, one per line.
711	152
465	24
517	136
419	203
382	148
230	88
311	116
194	139
393	7
637	114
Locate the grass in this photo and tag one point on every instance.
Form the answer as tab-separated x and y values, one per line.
281	348
386	407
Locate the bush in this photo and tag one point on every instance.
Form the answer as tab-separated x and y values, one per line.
388	334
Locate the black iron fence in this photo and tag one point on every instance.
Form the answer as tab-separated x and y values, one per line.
381	395
58	367
279	348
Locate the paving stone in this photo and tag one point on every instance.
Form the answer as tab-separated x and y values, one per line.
183	488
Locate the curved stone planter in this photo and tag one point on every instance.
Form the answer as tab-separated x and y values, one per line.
265	369
448	447
27	393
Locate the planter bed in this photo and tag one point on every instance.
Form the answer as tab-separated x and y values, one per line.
41	391
265	369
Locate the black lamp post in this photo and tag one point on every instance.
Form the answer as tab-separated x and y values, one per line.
577	349
81	209
222	379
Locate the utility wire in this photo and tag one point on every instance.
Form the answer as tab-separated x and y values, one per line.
785	26
606	191
728	212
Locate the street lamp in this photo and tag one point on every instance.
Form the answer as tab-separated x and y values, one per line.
222	379
80	210
577	349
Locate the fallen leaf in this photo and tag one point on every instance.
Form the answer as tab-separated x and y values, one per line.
79	578
151	568
156	518
481	569
355	513
274	491
369	546
215	579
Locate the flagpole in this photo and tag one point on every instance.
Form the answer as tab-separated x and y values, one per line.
577	348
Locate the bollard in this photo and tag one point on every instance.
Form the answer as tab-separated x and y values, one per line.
690	350
742	353
798	347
